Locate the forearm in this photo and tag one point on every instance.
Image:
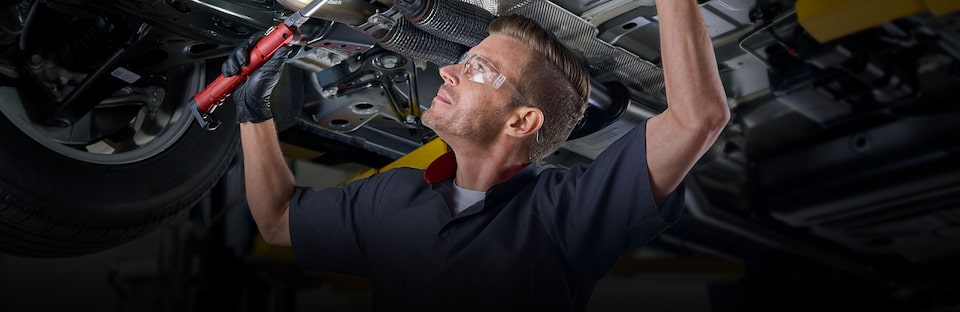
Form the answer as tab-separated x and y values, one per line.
269	182
695	94
696	104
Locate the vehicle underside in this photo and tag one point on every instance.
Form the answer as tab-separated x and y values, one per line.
837	177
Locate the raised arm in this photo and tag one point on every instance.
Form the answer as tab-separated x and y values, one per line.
697	109
268	181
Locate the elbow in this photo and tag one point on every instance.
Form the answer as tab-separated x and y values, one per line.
712	119
717	121
273	238
274	227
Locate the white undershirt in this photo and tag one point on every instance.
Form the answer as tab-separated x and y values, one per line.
458	198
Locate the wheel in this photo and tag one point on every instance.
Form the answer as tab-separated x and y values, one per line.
65	192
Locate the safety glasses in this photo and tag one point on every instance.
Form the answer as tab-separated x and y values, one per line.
478	69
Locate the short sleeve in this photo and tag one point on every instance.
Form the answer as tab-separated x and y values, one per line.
327	226
599	211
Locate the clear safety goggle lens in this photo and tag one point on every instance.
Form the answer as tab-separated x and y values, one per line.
478	69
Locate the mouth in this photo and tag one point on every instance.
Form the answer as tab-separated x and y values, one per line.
442	97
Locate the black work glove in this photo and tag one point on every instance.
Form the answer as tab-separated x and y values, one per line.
253	96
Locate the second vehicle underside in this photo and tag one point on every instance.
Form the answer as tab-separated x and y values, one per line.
843	149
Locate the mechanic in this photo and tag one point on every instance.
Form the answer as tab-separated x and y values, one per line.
480	228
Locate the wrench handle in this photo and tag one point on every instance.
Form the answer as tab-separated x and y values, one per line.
213	95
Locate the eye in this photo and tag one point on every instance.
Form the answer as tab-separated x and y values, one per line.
478	66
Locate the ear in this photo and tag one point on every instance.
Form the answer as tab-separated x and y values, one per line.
524	122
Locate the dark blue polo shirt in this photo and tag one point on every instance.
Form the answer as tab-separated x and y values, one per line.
537	242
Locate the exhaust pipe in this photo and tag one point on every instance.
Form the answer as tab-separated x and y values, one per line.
408	40
350	12
454	21
392	31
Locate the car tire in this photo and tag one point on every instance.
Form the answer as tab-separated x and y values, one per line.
52	205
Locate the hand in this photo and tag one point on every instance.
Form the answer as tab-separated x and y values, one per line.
253	96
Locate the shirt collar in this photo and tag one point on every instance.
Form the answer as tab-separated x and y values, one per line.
441	169
444	167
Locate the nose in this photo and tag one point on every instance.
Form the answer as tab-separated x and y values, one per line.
449	74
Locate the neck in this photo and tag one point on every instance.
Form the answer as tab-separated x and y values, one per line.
480	167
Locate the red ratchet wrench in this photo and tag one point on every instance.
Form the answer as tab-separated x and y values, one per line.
212	96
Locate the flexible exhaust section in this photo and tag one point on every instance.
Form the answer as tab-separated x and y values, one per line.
454	21
408	40
431	30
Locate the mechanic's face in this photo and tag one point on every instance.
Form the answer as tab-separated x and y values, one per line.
473	101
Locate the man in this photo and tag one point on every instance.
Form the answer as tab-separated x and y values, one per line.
479	229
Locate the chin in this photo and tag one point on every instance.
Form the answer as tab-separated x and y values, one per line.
427	121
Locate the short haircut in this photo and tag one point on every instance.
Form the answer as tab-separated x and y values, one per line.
555	82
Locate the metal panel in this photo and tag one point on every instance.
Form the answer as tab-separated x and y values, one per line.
607	63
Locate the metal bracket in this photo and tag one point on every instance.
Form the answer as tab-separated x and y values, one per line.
379	24
358	98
